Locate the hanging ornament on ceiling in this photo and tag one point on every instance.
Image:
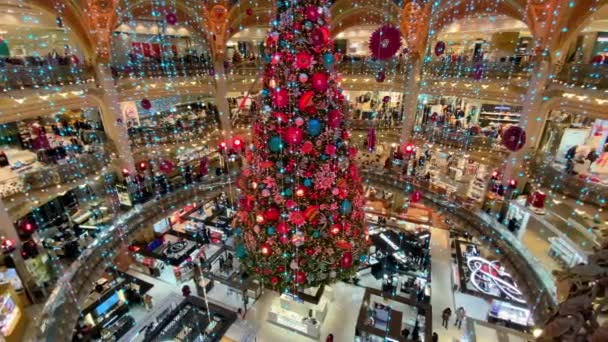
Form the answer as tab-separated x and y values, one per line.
478	73
171	18
514	138
249	11
380	76
166	166
439	48
385	42
146	104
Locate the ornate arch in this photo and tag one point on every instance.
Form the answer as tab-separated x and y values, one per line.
74	18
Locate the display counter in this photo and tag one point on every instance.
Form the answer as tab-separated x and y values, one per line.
12	315
302	317
510	315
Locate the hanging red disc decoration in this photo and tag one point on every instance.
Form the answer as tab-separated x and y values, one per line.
171	18
385	42
386	99
371	139
439	48
146	104
249	12
204	166
514	138
416	196
380	76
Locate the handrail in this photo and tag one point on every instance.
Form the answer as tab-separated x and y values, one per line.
58	317
588	75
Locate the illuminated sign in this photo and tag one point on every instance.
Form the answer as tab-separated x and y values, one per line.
492	275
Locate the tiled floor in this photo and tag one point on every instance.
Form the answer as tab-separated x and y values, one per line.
442	295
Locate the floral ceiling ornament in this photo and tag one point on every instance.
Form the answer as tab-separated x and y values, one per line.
385	42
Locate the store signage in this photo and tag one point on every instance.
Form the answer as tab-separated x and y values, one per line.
492	276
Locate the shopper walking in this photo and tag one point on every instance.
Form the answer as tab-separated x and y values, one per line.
460	316
435	337
330	338
445	315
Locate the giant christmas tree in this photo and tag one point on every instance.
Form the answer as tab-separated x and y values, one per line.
301	220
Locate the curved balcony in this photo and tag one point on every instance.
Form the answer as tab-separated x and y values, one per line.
62	310
20	74
592	76
476	70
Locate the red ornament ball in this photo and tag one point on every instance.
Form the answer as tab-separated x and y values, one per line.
282	228
265	249
514	138
319	82
281	98
380	76
347	260
272	214
300	277
294	135
307	147
274	280
146	104
319	37
249	11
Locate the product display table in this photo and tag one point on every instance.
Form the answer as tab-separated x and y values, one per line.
299	316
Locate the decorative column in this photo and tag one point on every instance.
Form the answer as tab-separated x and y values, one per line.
546	19
217	35
113	123
221	98
532	122
411	91
415	21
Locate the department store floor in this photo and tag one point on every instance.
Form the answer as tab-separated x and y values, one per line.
343	310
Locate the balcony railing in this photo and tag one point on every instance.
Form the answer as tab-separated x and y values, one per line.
72	169
458	138
163	68
20	76
170	134
481	70
347	66
594	76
